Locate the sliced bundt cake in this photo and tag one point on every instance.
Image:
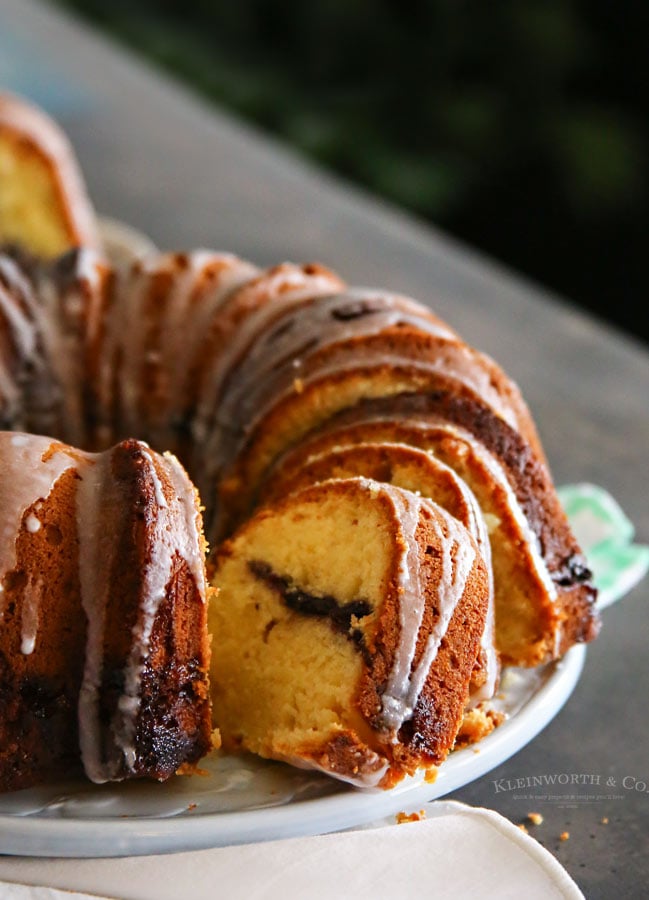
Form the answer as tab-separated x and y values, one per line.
346	629
368	479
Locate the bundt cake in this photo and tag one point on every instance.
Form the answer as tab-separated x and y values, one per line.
104	655
361	608
44	203
382	529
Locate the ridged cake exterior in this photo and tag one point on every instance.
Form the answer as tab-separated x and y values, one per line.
104	655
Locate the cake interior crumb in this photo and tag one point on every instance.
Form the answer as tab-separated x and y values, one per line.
402	817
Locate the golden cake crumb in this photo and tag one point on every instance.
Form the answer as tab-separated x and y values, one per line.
605	820
523	828
564	835
477	723
535	818
190	769
402	817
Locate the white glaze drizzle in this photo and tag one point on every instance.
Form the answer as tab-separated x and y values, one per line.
96	559
125	341
175	532
467	510
528	538
232	274
190	547
160	498
32	593
25	478
406	680
32	523
180	315
185	308
282	290
171	536
374	768
199	299
22	327
476	379
66	311
23	335
250	390
476	525
224	445
316	328
478	528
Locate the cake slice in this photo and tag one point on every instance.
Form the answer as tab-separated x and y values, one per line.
44	203
346	628
104	652
414	470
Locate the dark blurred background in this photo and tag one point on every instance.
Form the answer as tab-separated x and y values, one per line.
518	127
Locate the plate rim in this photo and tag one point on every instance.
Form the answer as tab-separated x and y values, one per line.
95	837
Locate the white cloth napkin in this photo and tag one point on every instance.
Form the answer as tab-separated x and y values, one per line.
457	851
28	892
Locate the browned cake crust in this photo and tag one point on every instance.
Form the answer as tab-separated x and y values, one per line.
150	658
311	360
38	691
230	335
174	720
51	329
429	734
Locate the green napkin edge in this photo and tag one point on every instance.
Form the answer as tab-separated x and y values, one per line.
618	564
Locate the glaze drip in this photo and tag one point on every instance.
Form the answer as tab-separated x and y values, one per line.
97	546
173	538
406	679
28	475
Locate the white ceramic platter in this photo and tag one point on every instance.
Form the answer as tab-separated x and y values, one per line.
245	799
